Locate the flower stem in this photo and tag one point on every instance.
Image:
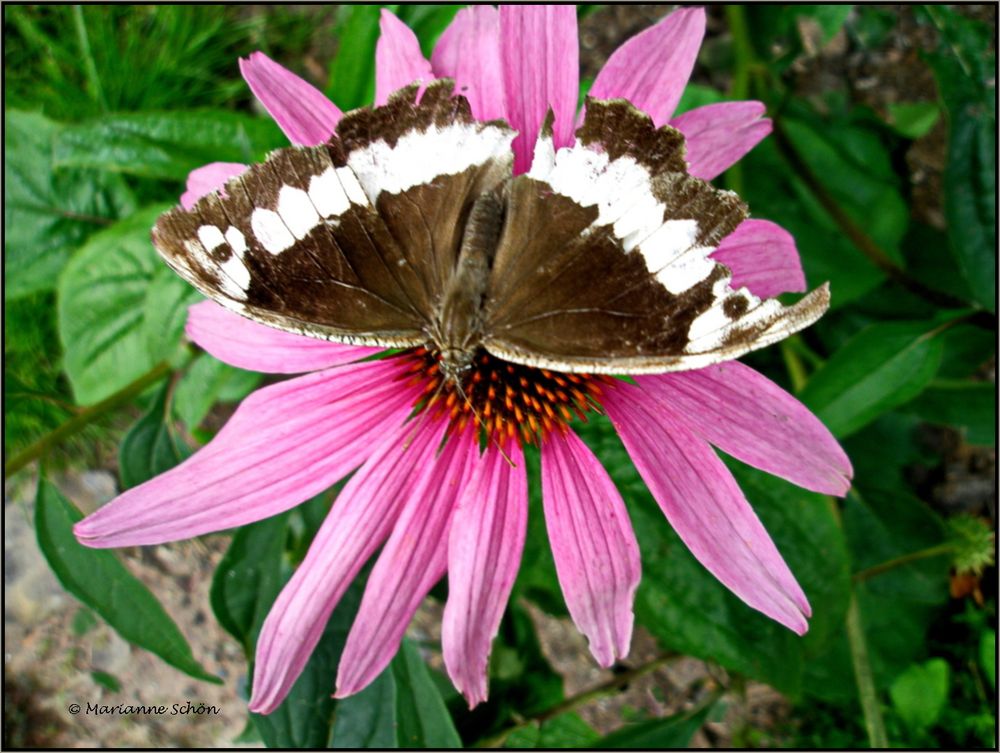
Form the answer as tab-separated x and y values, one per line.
867	694
86	416
580	699
882	567
739	87
796	369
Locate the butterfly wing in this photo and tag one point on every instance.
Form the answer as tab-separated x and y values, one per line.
604	262
352	240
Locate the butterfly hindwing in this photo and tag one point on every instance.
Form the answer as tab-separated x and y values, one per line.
605	261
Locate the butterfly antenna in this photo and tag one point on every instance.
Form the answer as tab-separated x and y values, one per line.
479	422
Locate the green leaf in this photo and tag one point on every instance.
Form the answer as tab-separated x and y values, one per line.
102	307
670	732
206	382
368	719
423	721
988	656
968	406
964	65
352	71
401	708
48	212
305	717
151	446
249	578
884	366
165	311
99	580
166	144
913	119
920	693
427	22
567	730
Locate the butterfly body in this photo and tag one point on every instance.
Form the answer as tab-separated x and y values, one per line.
409	229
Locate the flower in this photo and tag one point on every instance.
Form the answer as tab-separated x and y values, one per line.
455	509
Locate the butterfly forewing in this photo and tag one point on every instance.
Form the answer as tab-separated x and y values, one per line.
352	240
604	264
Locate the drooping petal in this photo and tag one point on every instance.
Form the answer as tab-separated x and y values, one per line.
594	547
762	257
412	561
702	501
748	416
398	59
469	53
718	135
484	551
245	344
652	68
284	444
203	180
301	110
541	58
361	519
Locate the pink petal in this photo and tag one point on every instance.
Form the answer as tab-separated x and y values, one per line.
652	68
484	551
246	344
719	135
398	59
763	258
301	110
203	180
596	555
541	69
412	561
469	53
285	444
751	418
361	519
706	507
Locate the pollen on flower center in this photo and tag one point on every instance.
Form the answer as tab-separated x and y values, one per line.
507	401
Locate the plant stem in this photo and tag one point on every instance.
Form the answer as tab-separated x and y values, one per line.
796	369
867	694
86	416
882	567
739	88
580	699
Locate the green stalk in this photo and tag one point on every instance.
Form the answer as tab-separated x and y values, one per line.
89	66
906	559
867	694
580	699
739	89
86	416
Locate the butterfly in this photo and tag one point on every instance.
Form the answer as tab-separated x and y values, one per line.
407	228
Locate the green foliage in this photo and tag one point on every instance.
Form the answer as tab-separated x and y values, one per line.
109	108
100	581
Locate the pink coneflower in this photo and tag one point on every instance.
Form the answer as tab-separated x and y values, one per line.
423	490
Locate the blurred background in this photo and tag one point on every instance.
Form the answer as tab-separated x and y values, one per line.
882	165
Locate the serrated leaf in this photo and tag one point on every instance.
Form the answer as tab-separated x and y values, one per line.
884	366
102	306
99	580
48	213
166	144
168	298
